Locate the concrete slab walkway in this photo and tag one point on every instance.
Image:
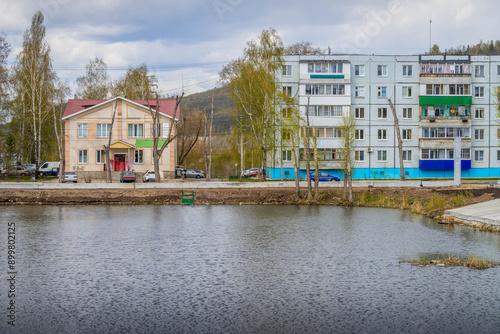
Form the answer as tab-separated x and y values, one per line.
487	213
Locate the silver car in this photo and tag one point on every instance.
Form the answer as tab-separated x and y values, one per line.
70	177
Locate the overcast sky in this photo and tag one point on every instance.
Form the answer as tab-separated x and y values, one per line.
189	41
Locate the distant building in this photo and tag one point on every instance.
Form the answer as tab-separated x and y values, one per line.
437	98
87	128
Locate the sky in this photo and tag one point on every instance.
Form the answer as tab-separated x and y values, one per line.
186	43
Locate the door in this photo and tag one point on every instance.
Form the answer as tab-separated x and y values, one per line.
119	162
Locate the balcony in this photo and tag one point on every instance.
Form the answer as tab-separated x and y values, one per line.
440	107
443	164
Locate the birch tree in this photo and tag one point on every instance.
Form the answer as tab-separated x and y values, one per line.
96	83
4	74
347	146
254	89
35	79
135	84
291	124
57	113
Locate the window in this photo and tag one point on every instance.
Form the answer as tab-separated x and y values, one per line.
458	89
138	156
327	111
287	112
381	91
337	133
406	134
479	113
287	70
359	134
498	133
479	71
286	135
382	134
287	90
479	91
479	134
322	89
359	155
407	70
407	113
287	155
359	91
336	67
359	113
103	130
478	155
153	158
323	68
135	130
406	155
100	157
433	89
406	91
382	70
381	156
466	153
82	157
82	130
382	113
498	69
158	130
359	70
498	155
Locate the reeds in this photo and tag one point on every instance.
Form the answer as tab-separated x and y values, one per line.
449	260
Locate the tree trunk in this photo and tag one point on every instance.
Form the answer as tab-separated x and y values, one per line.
307	155
400	142
107	148
296	171
316	165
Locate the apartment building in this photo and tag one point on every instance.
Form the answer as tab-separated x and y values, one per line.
437	98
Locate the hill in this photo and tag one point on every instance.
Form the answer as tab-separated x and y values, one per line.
222	106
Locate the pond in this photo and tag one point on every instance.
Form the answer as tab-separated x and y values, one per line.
241	269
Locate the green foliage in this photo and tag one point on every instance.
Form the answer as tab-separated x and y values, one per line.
461	199
481	48
96	83
135	84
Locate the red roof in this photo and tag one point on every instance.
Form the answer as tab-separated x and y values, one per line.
167	107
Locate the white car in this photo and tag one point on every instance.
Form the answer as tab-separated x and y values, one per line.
70	177
149	176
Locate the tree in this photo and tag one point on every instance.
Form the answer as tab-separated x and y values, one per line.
96	84
106	148
400	142
291	125
255	90
34	83
193	125
4	77
307	155
157	126
135	84
347	146
302	48
435	50
60	94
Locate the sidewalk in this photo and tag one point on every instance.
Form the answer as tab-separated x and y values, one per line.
487	213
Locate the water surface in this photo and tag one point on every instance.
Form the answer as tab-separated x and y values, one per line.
243	269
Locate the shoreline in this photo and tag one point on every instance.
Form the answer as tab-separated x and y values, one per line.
430	202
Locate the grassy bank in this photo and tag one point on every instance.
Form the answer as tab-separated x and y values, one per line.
448	260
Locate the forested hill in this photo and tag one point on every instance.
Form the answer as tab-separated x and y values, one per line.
222	106
482	48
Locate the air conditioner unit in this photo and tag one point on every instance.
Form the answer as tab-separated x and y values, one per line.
369	150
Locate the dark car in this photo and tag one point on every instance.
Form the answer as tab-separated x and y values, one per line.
30	167
127	176
324	177
193	173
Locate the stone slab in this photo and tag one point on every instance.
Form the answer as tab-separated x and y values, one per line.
487	212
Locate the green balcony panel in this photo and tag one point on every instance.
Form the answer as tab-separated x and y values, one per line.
445	100
338	76
147	143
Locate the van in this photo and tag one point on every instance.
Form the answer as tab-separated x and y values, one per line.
49	168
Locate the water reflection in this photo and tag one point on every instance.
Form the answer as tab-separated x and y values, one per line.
246	269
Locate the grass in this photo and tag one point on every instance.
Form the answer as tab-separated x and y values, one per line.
448	260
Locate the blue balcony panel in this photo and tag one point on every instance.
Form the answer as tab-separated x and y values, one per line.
443	164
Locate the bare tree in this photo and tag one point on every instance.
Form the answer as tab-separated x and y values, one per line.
291	124
107	147
302	48
194	123
156	116
307	155
61	92
400	142
316	164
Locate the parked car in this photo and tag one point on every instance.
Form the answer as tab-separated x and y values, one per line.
16	171
201	172
193	174
324	176
149	176
127	176
49	168
251	172
30	167
69	177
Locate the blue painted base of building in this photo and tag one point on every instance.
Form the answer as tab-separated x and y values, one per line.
388	173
